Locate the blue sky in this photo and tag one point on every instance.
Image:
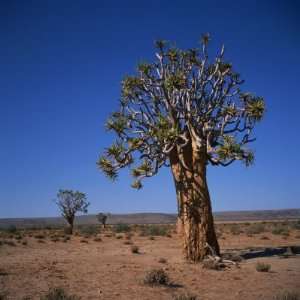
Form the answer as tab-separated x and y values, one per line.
61	63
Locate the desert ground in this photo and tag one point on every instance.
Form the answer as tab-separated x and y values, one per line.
97	263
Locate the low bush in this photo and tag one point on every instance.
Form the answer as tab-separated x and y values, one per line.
39	236
154	230
280	230
262	267
134	249
11	229
120	228
89	230
128	242
255	228
162	260
97	239
235	229
58	294
156	277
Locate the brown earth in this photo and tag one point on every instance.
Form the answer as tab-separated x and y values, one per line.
108	269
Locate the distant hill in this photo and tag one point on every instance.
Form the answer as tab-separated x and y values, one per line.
156	218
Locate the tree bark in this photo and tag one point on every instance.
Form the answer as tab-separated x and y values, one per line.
195	219
70	225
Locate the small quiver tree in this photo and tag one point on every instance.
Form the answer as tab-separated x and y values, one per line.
102	218
69	203
183	111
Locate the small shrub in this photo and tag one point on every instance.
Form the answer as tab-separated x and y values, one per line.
18	237
97	239
24	243
66	239
58	294
262	267
39	236
279	230
11	229
156	277
10	243
296	225
185	297
3	296
54	239
128	242
154	230
128	235
68	230
134	249
89	230
235	229
162	260
119	236
84	241
151	238
255	228
264	238
120	228
287	295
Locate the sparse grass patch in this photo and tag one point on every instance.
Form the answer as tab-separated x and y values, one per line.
156	277
287	295
59	294
262	267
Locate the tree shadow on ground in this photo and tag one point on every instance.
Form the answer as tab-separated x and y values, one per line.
238	255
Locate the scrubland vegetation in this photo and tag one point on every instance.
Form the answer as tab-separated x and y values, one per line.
143	256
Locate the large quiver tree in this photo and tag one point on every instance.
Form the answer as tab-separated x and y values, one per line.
184	111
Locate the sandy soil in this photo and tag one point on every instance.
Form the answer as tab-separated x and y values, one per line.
108	270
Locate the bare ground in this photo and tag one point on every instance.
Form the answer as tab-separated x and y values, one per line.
108	270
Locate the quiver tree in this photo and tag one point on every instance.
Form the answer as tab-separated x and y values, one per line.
69	203
183	111
102	218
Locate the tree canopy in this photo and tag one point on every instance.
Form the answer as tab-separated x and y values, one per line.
183	95
70	202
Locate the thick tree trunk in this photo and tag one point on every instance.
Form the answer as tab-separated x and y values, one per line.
70	225
195	223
